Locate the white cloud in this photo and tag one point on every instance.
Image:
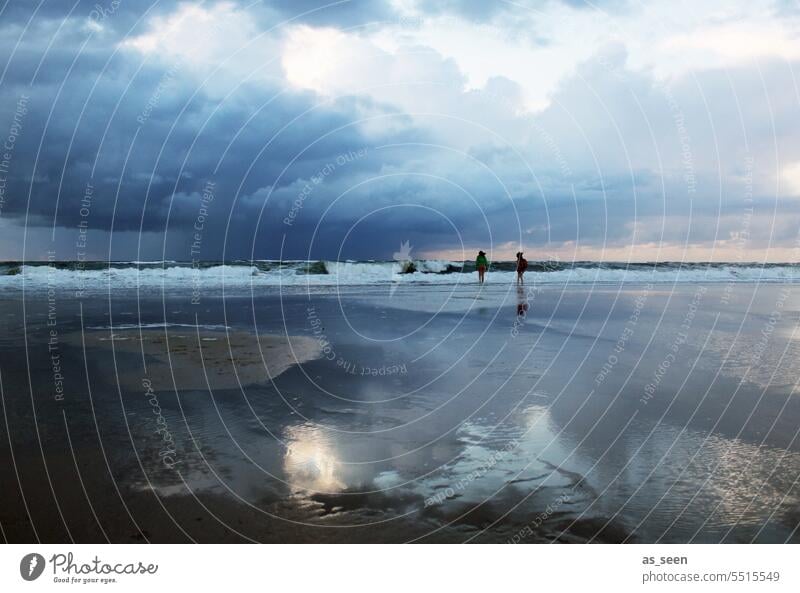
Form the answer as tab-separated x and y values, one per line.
536	48
221	39
736	43
791	178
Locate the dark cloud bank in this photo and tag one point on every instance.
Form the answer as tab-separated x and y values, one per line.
146	154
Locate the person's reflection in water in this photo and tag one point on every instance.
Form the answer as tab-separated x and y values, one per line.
522	302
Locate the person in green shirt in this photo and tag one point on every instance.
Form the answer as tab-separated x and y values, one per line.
482	264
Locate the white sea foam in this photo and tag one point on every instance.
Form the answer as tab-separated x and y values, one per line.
162	325
349	273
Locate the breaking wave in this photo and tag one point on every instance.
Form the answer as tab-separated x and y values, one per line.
208	275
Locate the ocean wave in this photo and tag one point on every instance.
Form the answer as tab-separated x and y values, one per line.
209	275
158	325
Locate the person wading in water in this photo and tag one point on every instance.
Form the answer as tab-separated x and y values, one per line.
522	265
482	264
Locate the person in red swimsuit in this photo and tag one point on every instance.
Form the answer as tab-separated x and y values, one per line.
522	265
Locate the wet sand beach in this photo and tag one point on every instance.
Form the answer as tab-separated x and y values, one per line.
195	358
615	413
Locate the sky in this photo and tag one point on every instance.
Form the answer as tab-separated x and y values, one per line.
303	129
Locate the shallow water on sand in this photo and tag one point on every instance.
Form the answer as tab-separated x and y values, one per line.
605	413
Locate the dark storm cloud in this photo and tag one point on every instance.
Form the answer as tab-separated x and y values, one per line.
148	161
127	141
134	144
118	137
368	212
